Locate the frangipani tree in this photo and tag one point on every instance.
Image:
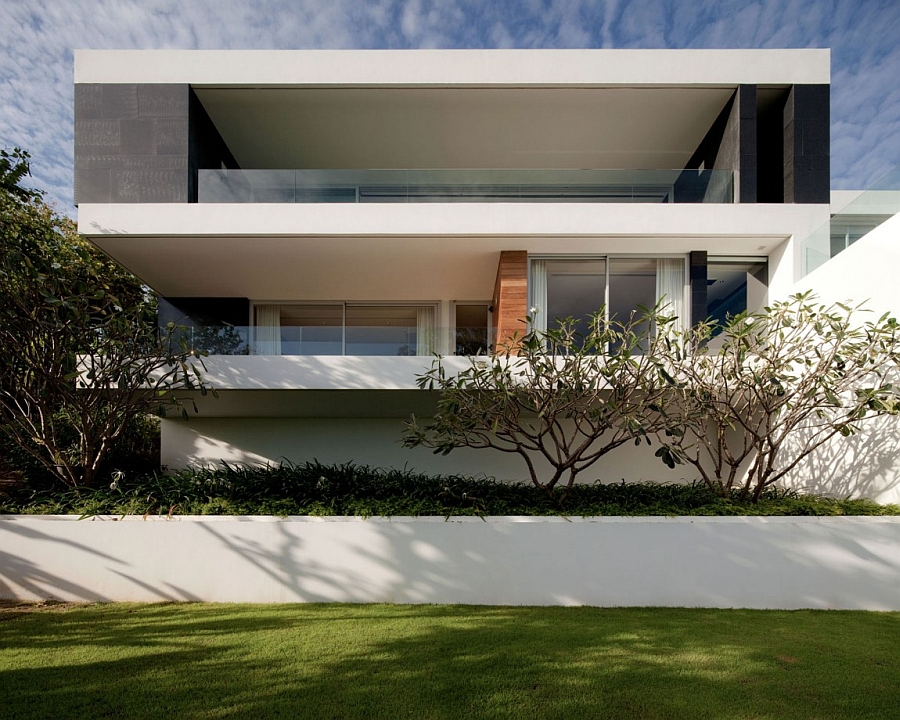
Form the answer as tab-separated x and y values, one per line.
555	397
80	353
753	398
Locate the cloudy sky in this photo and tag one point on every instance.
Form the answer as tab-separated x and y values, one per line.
38	37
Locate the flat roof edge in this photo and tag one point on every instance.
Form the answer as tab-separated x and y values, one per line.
455	67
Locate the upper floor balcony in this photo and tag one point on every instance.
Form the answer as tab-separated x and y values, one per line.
740	126
465	185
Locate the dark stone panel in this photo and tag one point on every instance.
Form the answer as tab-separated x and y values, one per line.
699	275
747	103
731	143
748	162
93	136
139	137
811	185
815	136
93	184
812	101
120	101
749	182
689	189
199	311
807	148
88	102
747	142
169	101
136	137
812	162
123	162
170	137
149	186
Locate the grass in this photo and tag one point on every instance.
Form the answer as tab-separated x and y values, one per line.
389	661
314	489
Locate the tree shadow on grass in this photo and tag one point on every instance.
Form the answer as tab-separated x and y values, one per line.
337	661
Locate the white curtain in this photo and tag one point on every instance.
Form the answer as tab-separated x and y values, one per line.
268	330
425	330
670	288
538	309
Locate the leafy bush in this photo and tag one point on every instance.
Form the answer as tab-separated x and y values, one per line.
135	453
315	489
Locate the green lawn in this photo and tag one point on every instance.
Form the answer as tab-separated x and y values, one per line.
393	661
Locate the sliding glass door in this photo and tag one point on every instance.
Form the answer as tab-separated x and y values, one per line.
344	329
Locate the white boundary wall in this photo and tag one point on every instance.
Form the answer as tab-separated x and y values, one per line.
705	562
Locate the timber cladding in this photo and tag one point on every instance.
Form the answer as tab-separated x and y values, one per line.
510	299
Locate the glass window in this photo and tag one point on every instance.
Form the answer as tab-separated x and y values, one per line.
471	329
632	284
336	329
574	288
578	287
734	287
311	329
381	330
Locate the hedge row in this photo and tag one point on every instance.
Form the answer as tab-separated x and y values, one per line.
315	489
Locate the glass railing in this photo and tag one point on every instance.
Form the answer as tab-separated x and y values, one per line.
461	185
358	340
848	224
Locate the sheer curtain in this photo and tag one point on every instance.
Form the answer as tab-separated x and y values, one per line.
268	330
425	330
538	309
670	288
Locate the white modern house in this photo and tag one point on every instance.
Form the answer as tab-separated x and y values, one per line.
325	221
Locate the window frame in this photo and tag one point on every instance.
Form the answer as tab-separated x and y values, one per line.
344	304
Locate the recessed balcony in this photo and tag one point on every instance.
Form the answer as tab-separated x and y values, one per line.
466	185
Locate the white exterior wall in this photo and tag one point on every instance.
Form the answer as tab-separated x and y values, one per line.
864	465
851	563
374	442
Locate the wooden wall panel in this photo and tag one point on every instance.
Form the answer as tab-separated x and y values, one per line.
510	299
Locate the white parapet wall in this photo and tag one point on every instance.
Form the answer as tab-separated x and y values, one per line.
749	562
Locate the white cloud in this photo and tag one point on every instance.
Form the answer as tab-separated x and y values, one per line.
38	38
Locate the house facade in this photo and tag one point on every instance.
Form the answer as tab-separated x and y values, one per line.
323	222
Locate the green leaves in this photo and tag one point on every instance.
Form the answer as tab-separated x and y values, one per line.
80	353
781	383
557	397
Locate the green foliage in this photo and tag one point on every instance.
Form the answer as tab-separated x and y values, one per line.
80	354
315	489
556	396
14	168
773	387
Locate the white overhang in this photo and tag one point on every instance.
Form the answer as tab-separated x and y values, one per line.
407	252
558	127
442	68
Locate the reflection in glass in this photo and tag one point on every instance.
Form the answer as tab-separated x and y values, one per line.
383	330
471	329
734	287
311	329
574	288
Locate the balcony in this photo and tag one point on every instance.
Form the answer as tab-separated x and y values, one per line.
469	186
384	340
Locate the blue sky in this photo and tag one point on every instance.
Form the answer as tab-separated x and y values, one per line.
39	35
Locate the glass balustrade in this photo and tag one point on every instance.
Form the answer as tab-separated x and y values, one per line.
359	340
461	185
848	224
